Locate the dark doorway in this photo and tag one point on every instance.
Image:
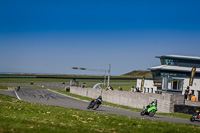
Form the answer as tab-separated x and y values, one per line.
175	84
198	95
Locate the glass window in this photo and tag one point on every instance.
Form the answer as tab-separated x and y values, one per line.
163	62
177	84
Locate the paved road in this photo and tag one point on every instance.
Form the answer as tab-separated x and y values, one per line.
51	98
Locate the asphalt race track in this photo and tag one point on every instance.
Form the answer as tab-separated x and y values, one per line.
49	97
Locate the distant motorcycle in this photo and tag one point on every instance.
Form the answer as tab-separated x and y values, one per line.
94	104
195	116
150	109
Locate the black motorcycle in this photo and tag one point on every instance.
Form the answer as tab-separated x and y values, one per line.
195	116
94	104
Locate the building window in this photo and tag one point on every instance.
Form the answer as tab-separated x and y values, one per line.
169	61
163	62
177	84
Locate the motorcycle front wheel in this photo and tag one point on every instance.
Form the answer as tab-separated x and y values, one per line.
152	113
192	119
142	113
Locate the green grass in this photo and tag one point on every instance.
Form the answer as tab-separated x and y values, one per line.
125	87
19	116
176	115
47	80
4	87
29	80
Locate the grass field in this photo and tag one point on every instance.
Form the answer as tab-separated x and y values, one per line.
89	82
125	87
47	80
3	87
23	117
29	80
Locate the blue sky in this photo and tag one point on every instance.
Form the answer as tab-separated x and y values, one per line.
51	36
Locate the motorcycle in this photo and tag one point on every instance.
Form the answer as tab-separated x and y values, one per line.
94	104
149	110
195	116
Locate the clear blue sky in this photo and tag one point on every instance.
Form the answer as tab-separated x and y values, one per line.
51	36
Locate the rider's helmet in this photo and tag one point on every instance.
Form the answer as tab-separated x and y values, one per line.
155	101
197	111
100	97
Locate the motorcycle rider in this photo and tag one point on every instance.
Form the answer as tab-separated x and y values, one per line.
195	116
153	103
99	99
198	113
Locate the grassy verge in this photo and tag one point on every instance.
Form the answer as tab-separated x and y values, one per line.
89	82
4	87
176	115
125	87
23	117
47	80
29	80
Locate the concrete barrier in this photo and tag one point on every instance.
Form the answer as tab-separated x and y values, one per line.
166	102
192	103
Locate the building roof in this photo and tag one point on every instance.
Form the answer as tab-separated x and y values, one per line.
179	57
174	68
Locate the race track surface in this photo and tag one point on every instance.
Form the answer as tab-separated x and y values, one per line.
52	98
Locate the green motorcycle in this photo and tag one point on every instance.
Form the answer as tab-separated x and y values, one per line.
149	109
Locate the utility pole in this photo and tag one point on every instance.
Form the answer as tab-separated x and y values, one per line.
109	74
105	80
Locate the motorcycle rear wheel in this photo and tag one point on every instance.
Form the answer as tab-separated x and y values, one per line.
95	106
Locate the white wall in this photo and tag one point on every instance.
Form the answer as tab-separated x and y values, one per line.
147	84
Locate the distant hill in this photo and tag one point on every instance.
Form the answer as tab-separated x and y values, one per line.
138	74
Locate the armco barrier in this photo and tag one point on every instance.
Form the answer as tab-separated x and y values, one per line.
166	102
